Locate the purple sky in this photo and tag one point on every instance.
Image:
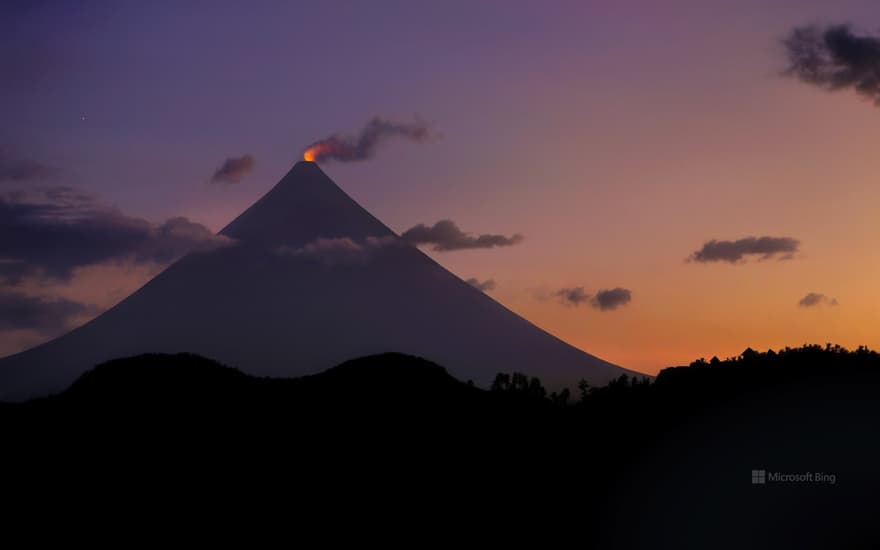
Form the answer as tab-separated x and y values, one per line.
616	136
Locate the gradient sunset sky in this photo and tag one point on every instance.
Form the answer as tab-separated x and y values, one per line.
617	137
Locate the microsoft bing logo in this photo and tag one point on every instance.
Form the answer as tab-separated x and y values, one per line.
763	477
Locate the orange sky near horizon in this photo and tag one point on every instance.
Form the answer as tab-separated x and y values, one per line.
721	181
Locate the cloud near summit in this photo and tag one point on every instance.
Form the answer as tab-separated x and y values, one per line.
338	250
445	235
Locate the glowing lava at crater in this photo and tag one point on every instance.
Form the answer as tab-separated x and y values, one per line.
317	151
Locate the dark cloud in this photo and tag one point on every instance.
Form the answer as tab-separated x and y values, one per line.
22	312
606	300
735	251
50	232
816	299
485	286
23	169
835	58
234	169
13	272
573	296
364	145
445	235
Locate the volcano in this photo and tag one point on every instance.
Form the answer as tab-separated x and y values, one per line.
311	280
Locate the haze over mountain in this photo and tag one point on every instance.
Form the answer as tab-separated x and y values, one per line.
311	280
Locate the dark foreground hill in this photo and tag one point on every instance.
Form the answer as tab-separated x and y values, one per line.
159	396
676	462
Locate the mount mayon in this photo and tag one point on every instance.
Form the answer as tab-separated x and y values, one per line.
310	279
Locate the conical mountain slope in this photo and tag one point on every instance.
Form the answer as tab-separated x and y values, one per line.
304	206
312	280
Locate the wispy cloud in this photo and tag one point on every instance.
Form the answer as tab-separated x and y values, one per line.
765	248
485	286
445	235
607	300
234	169
338	250
52	231
603	300
19	311
573	296
814	299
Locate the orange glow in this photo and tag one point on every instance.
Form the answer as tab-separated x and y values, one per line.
317	151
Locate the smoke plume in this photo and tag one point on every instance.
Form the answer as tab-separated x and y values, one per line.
347	148
234	169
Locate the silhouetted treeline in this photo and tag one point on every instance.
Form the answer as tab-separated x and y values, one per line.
755	369
749	371
402	389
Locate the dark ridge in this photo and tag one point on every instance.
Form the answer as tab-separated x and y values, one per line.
633	464
159	386
145	377
159	397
